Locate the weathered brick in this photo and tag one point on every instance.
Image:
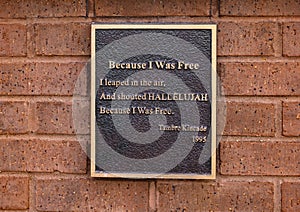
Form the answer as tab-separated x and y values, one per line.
13	40
152	8
58	117
290	195
45	8
63	39
14	193
13	117
260	8
260	78
260	158
291	118
250	119
57	79
219	196
44	78
247	38
42	156
14	78
91	195
291	42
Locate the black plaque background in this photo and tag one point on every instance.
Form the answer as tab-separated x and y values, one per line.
201	39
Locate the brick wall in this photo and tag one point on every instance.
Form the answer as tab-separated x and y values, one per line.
44	45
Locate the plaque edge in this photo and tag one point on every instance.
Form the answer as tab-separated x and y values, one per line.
213	28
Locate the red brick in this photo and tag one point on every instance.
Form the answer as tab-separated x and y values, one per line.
63	39
13	40
43	78
291	42
152	8
260	158
58	118
91	195
45	8
42	156
57	79
260	8
250	119
14	193
14	78
291	118
290	192
260	78
13	117
219	196
247	38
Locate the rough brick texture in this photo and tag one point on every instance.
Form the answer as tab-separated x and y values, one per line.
291	42
223	196
45	8
42	156
260	158
260	8
251	119
14	78
61	118
14	193
63	39
13	117
291	118
290	196
260	78
152	8
247	38
91	195
57	79
43	78
13	39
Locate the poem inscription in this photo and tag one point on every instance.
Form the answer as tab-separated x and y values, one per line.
153	101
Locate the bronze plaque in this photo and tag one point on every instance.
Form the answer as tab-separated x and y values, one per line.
153	101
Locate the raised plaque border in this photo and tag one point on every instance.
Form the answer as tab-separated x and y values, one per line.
213	28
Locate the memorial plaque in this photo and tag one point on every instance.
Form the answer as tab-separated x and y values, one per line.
153	101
